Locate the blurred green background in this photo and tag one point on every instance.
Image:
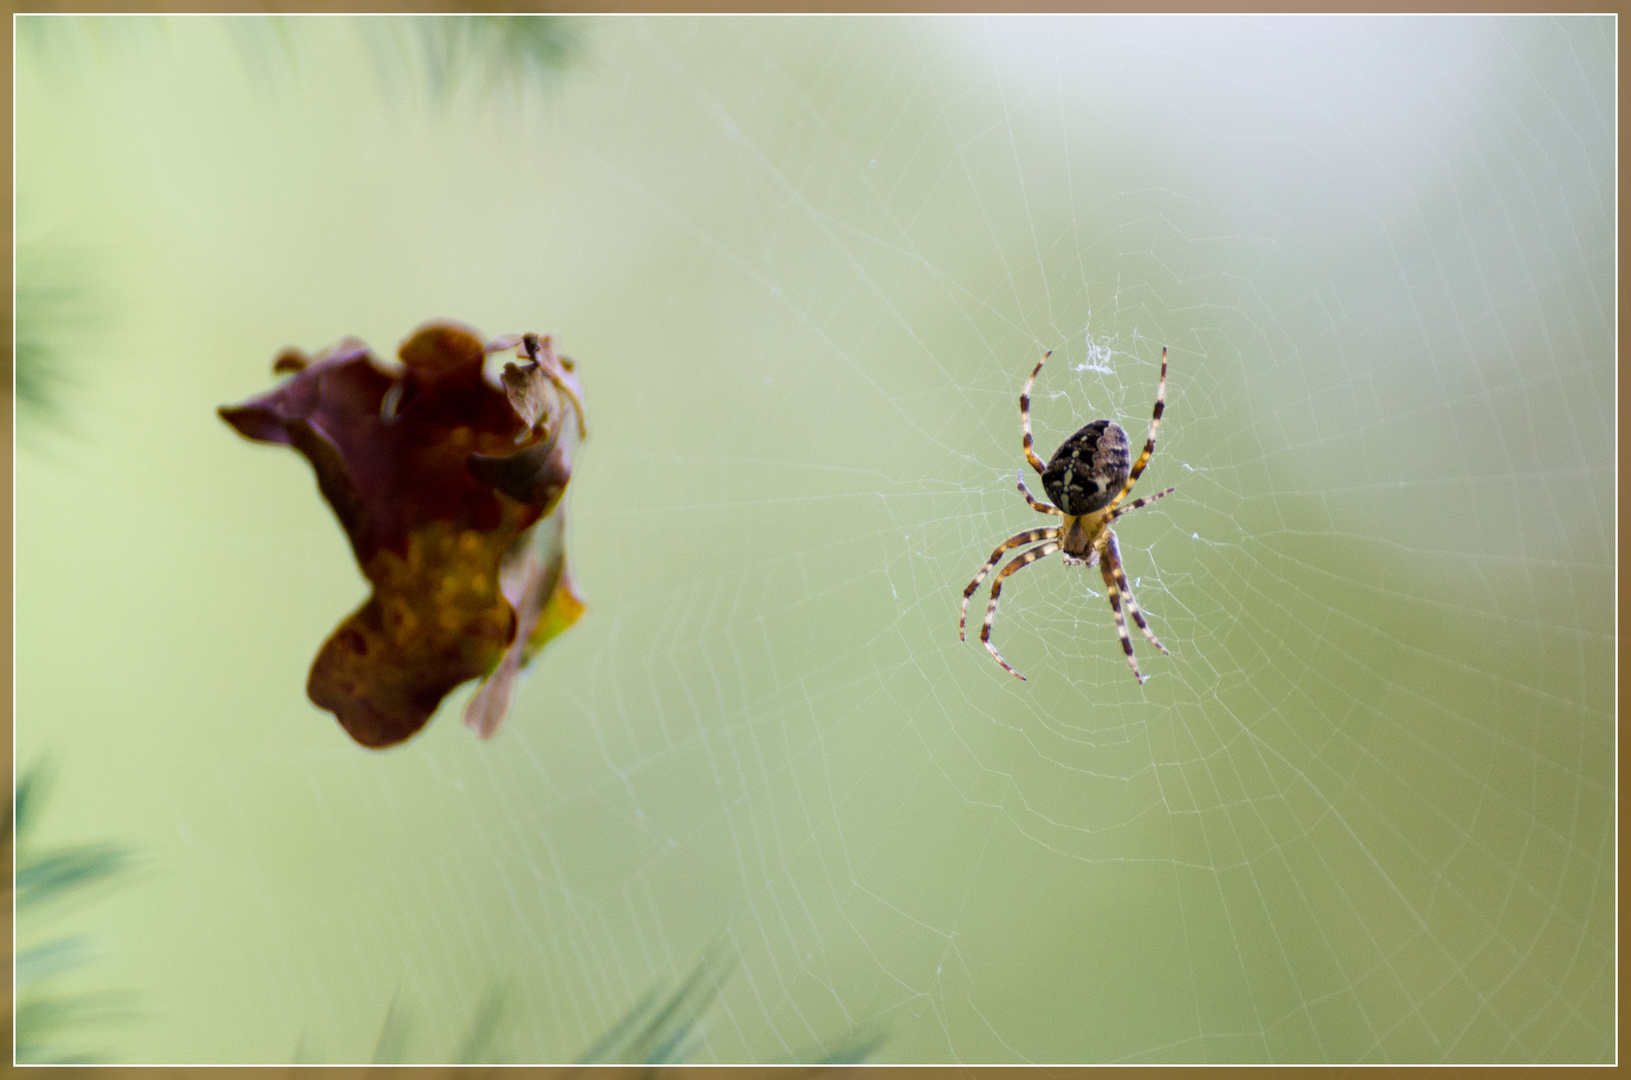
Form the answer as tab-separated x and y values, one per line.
1363	812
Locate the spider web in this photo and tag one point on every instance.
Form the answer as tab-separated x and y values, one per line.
1363	811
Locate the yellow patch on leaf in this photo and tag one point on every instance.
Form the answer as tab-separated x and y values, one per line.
443	481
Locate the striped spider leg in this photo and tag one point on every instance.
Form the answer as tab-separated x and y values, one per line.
1017	540
1087	478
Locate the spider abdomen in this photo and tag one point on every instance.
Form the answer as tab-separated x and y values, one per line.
1088	469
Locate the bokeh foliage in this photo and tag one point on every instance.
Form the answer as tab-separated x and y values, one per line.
55	1024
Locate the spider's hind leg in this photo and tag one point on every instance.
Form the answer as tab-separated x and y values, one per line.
1025	414
1127	508
1149	444
1036	504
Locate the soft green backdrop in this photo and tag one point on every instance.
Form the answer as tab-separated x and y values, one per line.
1363	812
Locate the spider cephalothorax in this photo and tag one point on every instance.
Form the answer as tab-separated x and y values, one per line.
1087	478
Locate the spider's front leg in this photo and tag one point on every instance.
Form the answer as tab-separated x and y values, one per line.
1038	552
1114	563
1017	540
1121	621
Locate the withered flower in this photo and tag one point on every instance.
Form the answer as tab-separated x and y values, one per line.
450	489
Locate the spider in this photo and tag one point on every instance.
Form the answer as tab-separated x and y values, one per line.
1086	478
